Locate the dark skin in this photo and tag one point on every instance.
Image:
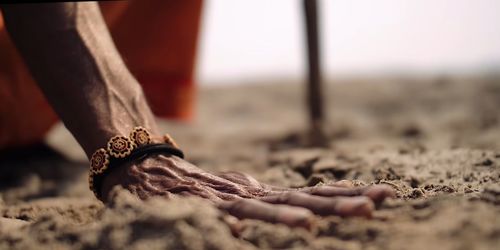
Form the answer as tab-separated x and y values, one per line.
72	57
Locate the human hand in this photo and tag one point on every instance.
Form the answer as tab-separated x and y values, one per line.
241	195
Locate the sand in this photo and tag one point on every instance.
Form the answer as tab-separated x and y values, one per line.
436	140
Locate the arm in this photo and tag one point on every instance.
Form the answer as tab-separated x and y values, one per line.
72	57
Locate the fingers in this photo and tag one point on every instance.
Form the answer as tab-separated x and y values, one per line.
376	193
259	210
342	206
331	191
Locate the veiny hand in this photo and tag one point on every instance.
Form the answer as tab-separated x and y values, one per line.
241	195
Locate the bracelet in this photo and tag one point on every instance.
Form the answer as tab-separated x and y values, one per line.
121	149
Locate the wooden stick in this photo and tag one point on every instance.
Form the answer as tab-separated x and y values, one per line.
314	84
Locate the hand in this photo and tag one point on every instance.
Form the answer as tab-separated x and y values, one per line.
241	195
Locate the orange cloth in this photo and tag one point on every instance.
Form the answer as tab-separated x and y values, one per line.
157	40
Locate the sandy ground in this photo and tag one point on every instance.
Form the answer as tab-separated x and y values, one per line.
435	140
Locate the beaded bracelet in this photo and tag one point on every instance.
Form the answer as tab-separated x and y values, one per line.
121	149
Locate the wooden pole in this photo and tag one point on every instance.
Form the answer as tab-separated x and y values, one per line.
314	85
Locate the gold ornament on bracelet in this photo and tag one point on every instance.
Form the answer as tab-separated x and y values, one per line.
120	146
140	136
99	161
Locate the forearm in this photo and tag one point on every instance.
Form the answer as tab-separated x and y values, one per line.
72	57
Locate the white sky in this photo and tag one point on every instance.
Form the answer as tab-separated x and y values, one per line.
253	39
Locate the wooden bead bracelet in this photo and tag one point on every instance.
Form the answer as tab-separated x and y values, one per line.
121	149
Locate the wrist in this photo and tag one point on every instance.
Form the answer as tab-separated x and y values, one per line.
123	150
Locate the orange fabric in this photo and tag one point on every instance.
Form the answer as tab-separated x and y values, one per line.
25	115
157	40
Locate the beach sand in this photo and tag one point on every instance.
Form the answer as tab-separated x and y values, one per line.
436	140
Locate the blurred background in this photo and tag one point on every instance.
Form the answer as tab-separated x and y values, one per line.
401	60
249	41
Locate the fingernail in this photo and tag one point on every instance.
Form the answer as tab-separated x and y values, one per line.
379	193
355	206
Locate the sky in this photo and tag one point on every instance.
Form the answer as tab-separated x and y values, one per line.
243	40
